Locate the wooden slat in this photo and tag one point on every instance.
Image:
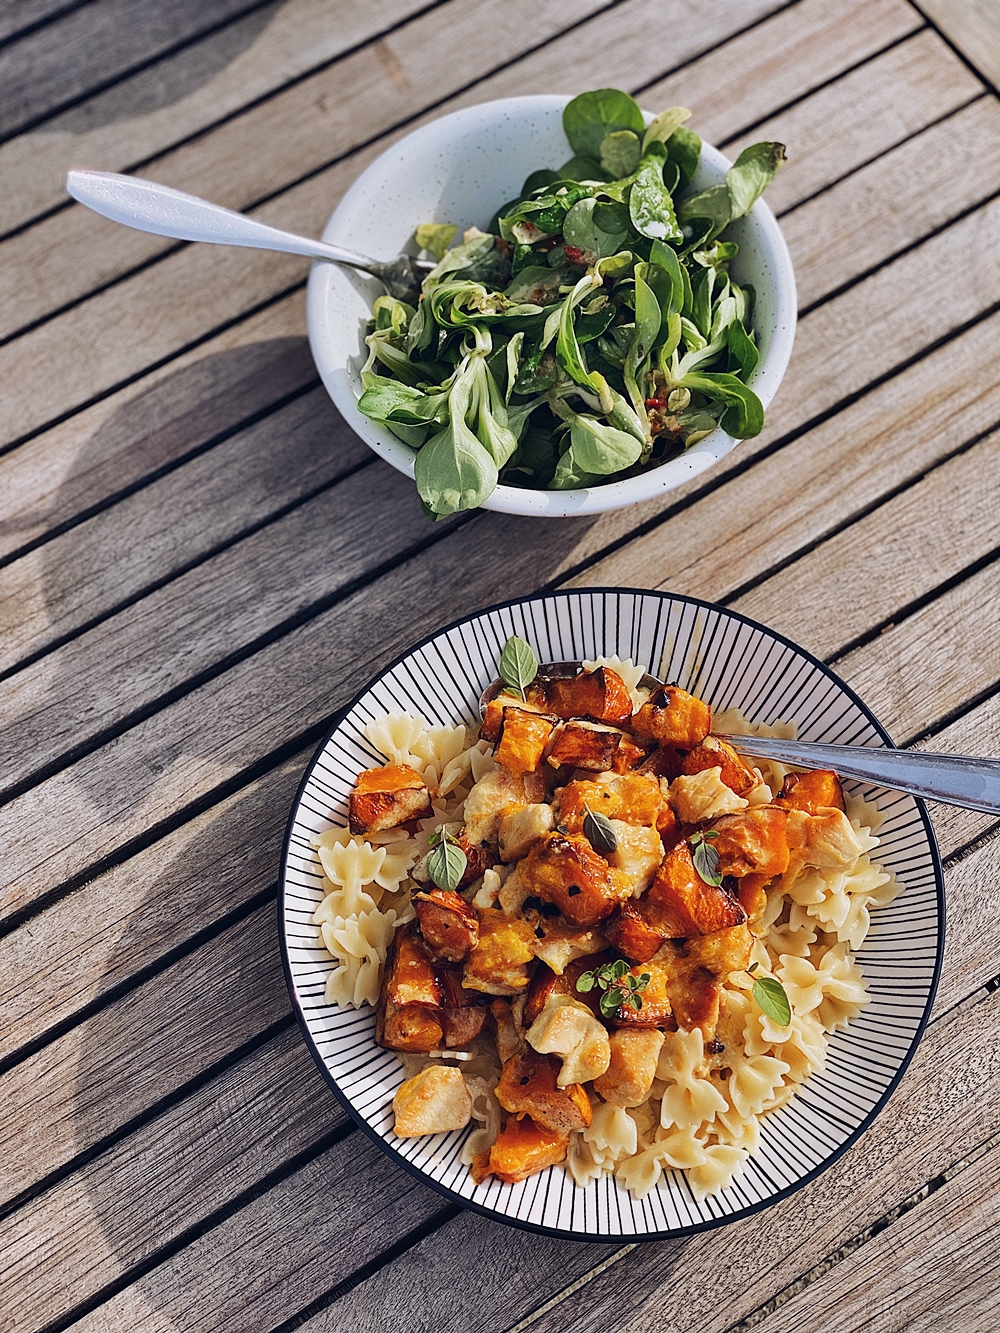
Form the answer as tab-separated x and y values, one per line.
145	1192
140	1049
128	127
779	61
918	187
974	27
933	1268
172	523
816	156
79	466
71	958
942	1111
17	16
70	254
100	43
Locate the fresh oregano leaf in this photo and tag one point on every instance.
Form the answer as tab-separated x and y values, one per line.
706	862
518	664
770	996
612	1001
599	832
446	864
586	981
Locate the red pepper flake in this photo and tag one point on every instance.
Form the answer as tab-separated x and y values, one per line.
574	255
656	402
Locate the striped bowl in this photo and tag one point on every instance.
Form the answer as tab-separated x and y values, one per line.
730	661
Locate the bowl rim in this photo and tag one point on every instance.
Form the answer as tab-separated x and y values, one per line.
526	501
493	1214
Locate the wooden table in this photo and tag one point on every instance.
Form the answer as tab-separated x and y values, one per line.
202	564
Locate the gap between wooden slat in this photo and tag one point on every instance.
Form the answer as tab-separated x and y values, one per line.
44	11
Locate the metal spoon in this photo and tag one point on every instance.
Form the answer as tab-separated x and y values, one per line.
973	784
165	212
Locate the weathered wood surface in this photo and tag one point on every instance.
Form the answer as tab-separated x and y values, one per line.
200	564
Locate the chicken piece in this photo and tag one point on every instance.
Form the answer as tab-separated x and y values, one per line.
629	755
722	952
528	1087
692	990
637	856
567	872
734	770
386	797
585	745
513	892
828	840
671	716
523	737
629	1077
561	943
522	1149
634	798
432	1102
509	1038
812	792
600	695
568	1028
656	1009
499	964
495	794
631	934
753	842
679	903
703	796
448	924
518	832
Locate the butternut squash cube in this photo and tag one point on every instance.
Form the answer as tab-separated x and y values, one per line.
566	871
522	741
386	797
671	716
528	1086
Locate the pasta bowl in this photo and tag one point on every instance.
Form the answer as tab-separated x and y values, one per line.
731	662
461	168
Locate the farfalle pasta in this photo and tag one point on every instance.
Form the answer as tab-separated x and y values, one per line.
628	944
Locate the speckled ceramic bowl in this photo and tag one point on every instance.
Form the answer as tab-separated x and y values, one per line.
460	169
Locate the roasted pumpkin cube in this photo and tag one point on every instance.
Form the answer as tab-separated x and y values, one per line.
522	1149
462	1025
566	871
585	745
630	933
629	1077
734	771
500	962
386	797
663	762
722	952
558	943
679	903
753	842
629	755
411	976
600	695
819	789
752	893
671	716
509	1037
522	740
634	798
528	1086
411	1027
656	1009
448	924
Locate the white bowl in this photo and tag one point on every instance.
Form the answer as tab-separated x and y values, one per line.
460	169
731	662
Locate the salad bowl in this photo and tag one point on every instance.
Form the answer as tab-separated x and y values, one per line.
460	169
731	662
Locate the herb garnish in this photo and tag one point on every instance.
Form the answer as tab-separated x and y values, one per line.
518	665
621	989
599	831
447	861
770	996
706	857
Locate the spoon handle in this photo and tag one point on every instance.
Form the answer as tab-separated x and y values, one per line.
165	212
973	784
